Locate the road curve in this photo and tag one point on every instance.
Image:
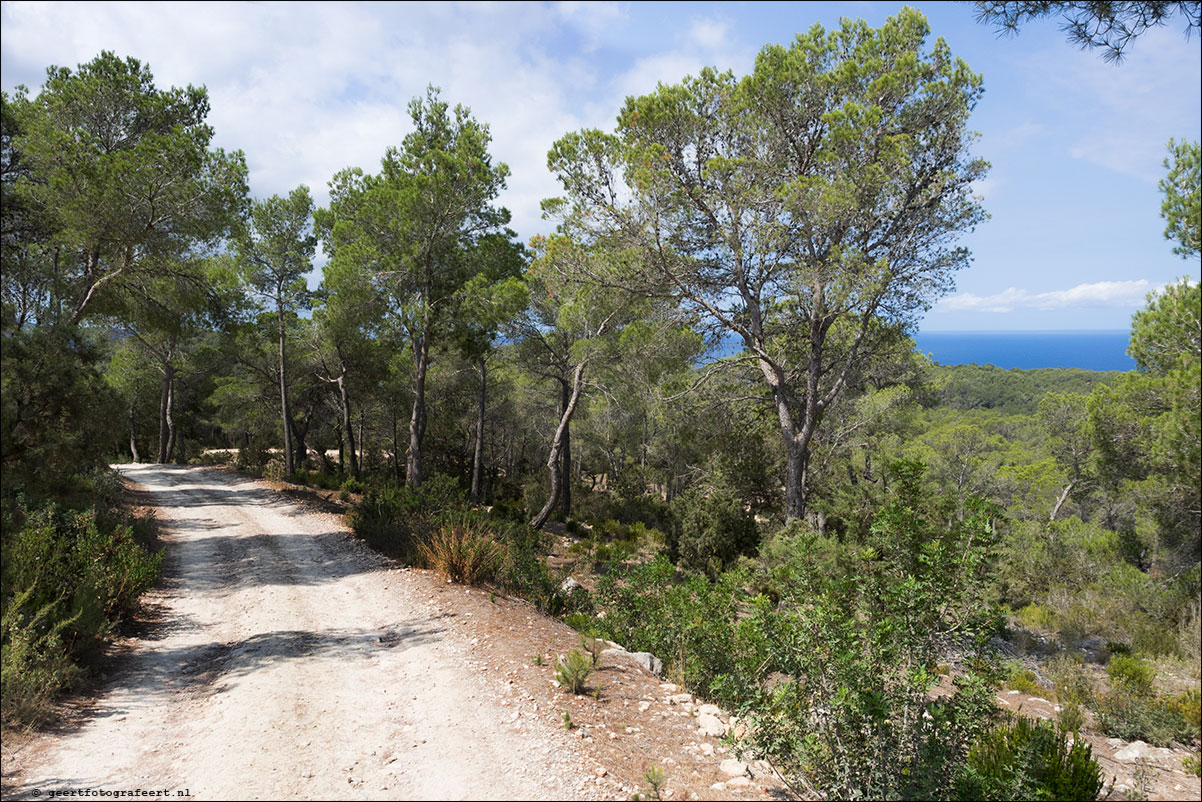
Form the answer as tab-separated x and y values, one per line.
290	663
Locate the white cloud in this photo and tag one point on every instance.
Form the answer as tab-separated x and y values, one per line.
709	34
1122	294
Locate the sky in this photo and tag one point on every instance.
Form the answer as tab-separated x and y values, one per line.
1074	239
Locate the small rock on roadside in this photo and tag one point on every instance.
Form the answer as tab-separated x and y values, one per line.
711	725
733	768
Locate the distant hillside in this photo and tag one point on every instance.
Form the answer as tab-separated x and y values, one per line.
1013	391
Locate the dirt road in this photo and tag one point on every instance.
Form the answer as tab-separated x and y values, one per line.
291	662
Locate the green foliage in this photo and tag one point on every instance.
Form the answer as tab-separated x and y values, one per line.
1143	717
1074	690
1189	707
68	577
655	777
1025	759
858	649
1182	206
55	409
1014	391
1130	674
573	671
1101	24
1023	679
712	531
1192	764
689	623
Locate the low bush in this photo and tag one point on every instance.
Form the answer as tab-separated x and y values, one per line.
1025	759
712	531
1023	679
69	577
573	671
463	552
1143	717
1130	674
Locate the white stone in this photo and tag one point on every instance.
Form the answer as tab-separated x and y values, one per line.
719	786
707	749
733	768
738	782
648	661
681	698
712	710
1135	751
643	706
711	725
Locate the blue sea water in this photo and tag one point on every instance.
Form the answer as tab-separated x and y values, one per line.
1091	350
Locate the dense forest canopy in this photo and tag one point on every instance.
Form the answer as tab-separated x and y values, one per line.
821	475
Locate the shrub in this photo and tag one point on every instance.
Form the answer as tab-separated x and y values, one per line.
1136	717
712	531
69	576
689	624
463	552
1189	707
573	671
1025	759
274	469
1023	679
1074	690
1130	674
853	652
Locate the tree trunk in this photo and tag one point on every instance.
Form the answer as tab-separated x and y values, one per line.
565	458
1060	501
133	444
347	426
284	412
166	422
554	460
417	421
396	463
478	455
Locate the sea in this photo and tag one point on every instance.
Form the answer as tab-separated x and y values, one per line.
1090	350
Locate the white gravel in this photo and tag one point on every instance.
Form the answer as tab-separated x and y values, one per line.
293	663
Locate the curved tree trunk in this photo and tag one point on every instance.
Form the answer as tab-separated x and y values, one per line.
166	422
554	460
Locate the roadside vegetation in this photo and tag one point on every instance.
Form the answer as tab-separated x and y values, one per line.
848	546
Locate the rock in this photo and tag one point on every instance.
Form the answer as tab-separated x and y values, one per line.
738	782
712	710
707	749
733	767
667	686
644	706
681	698
568	585
600	772
1115	742
1137	750
648	661
711	725
719	786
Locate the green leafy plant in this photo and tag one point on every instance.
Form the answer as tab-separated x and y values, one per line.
573	671
566	718
1025	759
1130	674
655	777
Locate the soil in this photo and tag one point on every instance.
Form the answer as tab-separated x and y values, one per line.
281	658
